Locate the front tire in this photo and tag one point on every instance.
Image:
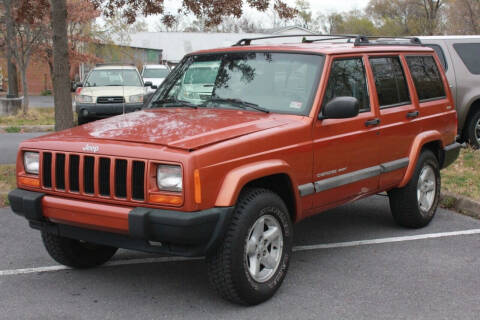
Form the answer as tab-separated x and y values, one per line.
75	253
414	205
251	263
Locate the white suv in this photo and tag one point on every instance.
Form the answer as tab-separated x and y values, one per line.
154	74
109	90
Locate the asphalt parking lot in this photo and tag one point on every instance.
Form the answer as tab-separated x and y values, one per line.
432	273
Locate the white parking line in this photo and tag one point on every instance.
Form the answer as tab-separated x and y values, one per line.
297	248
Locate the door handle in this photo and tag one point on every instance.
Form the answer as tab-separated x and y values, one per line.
372	122
412	114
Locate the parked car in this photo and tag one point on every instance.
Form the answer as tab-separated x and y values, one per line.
109	90
459	56
198	82
154	74
286	132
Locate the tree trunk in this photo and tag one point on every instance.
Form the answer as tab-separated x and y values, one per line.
12	68
25	90
61	66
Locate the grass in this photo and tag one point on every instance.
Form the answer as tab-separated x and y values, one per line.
37	116
463	176
7	182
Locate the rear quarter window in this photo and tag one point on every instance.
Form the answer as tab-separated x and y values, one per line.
469	53
426	77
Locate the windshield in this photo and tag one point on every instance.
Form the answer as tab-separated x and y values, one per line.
274	82
155	73
113	77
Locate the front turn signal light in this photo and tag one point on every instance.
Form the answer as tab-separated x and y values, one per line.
166	199
31	182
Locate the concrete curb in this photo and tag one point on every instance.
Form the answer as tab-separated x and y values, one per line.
461	204
36	128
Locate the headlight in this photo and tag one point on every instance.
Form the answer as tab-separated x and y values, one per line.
136	99
84	99
169	178
31	162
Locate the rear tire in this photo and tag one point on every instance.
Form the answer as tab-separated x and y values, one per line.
414	205
251	263
75	253
473	131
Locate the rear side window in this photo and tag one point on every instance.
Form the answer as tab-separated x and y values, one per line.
469	53
440	54
390	81
347	79
426	77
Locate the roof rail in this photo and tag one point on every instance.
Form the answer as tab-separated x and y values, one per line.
387	41
360	40
248	41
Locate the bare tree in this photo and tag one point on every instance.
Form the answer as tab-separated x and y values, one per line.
27	37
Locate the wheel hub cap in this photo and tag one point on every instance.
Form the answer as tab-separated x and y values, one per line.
477	131
426	188
264	247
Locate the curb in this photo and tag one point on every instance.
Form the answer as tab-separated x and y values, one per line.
36	128
461	204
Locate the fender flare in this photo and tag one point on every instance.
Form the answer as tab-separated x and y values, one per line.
237	178
417	145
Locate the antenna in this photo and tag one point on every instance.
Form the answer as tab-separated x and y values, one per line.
123	90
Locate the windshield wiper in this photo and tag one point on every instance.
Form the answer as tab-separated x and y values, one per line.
173	103
239	103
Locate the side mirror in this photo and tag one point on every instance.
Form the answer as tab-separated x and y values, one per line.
78	85
148	84
154	87
340	108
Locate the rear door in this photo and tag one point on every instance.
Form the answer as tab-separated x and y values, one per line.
346	150
398	115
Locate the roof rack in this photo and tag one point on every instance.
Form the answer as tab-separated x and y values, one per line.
387	41
360	40
248	41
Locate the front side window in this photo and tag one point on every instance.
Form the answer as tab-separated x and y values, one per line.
390	81
469	53
273	82
347	79
113	78
426	77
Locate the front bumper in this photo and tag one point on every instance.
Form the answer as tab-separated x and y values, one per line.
102	110
150	230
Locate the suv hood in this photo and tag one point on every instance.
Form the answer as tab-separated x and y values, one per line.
181	128
112	91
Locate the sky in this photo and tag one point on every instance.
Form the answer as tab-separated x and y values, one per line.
317	6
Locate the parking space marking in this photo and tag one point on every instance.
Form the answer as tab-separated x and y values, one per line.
296	249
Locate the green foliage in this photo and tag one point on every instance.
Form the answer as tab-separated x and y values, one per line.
13	129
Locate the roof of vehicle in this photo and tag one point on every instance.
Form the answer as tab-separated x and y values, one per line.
448	37
155	66
115	67
325	48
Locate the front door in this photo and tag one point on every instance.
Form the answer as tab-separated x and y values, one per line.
346	163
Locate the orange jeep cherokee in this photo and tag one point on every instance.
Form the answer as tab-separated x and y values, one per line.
236	146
